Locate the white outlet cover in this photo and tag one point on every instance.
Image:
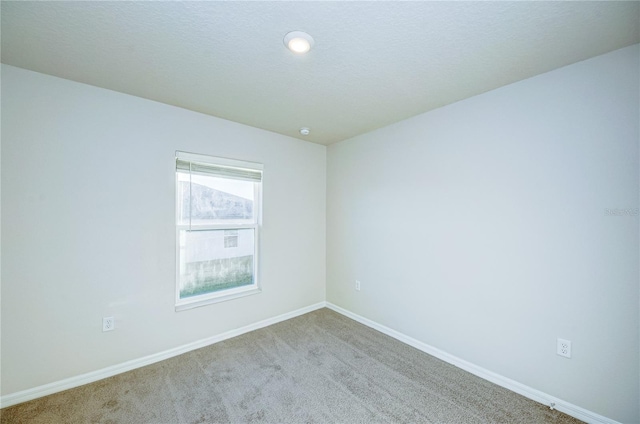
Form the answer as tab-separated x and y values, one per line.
564	348
108	324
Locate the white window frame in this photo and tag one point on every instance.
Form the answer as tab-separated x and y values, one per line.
233	293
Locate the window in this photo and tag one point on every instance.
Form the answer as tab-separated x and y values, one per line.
217	229
230	238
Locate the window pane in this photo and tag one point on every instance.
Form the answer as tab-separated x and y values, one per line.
214	200
210	263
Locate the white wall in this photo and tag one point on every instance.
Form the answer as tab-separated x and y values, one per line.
88	226
480	229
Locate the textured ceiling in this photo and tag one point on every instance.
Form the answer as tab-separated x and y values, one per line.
373	63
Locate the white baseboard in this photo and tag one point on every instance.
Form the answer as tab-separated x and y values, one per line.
526	391
538	396
90	377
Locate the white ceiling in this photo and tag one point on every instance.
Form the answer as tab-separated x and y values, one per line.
373	63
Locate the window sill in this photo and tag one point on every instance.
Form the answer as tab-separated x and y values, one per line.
198	301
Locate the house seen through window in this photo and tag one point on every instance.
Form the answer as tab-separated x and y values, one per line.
218	211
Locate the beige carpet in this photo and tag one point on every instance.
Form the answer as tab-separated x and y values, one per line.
317	368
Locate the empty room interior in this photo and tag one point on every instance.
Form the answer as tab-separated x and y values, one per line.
319	212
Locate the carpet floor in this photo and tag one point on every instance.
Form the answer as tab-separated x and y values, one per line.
317	368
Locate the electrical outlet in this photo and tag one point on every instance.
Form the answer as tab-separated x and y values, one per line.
564	348
357	285
108	324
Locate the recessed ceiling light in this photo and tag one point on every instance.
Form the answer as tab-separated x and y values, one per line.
298	42
305	131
